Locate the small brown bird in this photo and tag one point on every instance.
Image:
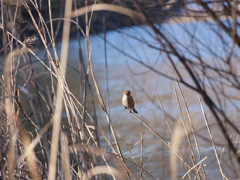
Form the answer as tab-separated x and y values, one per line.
128	102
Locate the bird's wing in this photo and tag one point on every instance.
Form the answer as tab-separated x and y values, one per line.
130	102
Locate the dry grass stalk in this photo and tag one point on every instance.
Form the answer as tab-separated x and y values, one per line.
211	137
109	7
196	165
60	90
141	162
175	144
193	132
65	159
107	116
164	114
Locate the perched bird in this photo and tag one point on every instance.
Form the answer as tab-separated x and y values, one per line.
128	102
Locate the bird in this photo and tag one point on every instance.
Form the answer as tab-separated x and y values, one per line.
128	102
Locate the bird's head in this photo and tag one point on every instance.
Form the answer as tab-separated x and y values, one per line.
127	93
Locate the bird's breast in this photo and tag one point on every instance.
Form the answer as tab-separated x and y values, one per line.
124	101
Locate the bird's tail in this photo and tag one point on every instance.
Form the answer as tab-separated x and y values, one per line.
135	111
